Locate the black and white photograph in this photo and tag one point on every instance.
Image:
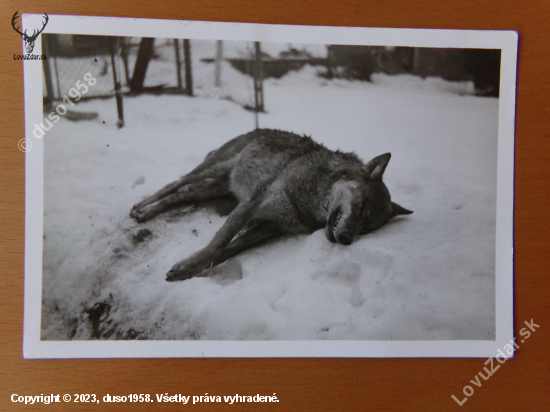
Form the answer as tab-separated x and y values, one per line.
217	184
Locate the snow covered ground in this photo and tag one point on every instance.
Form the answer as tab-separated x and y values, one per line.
427	276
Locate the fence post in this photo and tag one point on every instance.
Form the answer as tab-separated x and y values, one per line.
47	73
258	82
258	79
330	59
57	77
178	63
124	55
188	75
118	92
219	57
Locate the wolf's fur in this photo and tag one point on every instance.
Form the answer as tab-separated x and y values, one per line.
284	183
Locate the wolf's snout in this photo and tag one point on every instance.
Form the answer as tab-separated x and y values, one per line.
345	239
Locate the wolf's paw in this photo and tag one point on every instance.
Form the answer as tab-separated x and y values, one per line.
142	214
134	213
186	269
138	206
182	274
135	209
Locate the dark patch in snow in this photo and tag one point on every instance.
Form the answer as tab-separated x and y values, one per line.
141	236
72	326
102	326
97	316
131	334
118	253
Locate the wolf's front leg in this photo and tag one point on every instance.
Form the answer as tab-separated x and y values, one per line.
210	255
193	265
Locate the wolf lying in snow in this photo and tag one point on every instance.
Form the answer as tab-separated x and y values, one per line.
284	183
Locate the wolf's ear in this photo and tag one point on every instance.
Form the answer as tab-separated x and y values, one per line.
376	167
398	210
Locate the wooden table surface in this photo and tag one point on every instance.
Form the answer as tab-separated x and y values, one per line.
303	384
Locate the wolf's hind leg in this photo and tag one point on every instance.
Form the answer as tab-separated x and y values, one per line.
212	253
213	190
218	171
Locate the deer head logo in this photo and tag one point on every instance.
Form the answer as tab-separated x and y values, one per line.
29	40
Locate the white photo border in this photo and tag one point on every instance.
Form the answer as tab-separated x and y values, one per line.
507	41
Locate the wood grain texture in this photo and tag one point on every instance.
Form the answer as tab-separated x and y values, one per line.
303	384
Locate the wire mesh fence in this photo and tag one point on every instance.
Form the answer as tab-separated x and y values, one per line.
224	70
68	64
215	69
234	70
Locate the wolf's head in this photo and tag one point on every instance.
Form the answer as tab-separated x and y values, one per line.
360	204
